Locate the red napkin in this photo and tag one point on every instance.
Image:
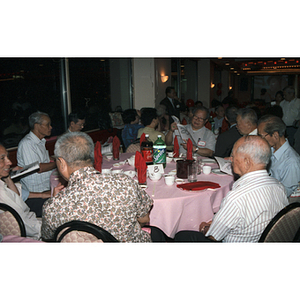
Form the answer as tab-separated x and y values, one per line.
142	138
141	167
189	150
116	147
198	185
98	157
176	147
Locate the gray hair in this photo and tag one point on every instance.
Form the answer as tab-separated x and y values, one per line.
257	148
202	108
273	124
248	114
76	148
36	118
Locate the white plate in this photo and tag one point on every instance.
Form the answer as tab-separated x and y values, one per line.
208	160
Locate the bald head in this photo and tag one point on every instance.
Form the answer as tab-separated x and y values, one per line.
250	153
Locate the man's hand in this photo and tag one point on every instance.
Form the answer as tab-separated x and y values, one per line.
204	226
173	126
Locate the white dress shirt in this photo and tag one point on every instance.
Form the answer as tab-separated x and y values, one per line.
291	111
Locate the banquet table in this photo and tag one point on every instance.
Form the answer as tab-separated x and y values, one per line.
175	209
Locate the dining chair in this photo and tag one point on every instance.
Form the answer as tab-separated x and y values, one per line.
10	222
77	231
284	227
132	148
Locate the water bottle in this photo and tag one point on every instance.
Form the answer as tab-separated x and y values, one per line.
212	122
147	150
159	151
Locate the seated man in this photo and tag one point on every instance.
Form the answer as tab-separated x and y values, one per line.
246	121
76	121
113	202
32	148
11	194
226	140
254	200
285	161
204	138
150	120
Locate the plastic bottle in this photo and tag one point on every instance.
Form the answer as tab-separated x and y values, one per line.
212	122
159	151
147	150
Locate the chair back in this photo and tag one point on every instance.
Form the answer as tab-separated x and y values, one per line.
285	226
10	222
132	148
82	232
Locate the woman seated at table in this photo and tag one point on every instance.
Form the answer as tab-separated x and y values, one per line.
11	194
150	120
131	118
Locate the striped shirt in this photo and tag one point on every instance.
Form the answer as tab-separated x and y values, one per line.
30	150
248	208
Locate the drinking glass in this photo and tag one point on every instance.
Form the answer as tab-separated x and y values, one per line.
192	172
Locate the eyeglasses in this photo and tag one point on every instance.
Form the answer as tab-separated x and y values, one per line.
263	136
198	118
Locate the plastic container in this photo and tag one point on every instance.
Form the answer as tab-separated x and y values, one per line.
159	152
147	150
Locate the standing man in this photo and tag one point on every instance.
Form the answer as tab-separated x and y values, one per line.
204	137
76	121
246	121
252	203
171	103
285	161
32	148
291	112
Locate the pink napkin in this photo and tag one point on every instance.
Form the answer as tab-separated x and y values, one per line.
141	167
189	150
98	157
176	147
142	138
116	147
198	185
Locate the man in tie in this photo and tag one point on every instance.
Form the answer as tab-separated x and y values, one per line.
171	103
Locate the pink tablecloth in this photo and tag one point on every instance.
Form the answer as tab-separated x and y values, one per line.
175	209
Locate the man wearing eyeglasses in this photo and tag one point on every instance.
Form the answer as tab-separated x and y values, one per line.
76	121
285	161
204	138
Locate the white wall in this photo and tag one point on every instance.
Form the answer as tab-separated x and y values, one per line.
143	80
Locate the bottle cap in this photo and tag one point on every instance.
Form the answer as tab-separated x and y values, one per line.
159	136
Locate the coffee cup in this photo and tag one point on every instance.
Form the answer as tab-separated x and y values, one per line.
206	170
169	179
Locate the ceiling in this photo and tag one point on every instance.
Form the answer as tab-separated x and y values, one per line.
254	66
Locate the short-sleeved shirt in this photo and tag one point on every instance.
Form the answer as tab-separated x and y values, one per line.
291	111
248	208
30	150
129	133
153	134
113	202
285	167
203	137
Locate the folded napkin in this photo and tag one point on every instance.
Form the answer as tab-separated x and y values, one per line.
142	138
141	167
198	185
116	147
98	157
176	147
189	150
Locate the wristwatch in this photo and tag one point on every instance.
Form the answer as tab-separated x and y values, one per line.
196	150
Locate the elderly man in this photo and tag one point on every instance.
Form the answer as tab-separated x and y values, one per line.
204	137
32	148
76	121
11	194
291	112
254	200
113	202
246	121
285	161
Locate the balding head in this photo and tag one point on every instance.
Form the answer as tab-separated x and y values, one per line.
250	153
